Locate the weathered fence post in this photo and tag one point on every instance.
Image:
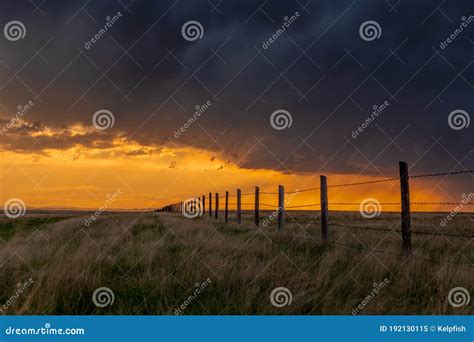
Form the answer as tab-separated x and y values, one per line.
226	212
257	206
210	204
405	192
239	207
203	204
217	205
281	207
324	208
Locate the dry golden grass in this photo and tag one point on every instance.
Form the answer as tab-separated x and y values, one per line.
152	261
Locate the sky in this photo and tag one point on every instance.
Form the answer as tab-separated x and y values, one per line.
162	101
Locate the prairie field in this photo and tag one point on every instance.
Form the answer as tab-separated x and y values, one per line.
154	263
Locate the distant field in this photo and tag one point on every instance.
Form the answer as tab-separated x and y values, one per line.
154	262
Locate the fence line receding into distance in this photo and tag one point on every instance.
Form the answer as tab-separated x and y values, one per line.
279	210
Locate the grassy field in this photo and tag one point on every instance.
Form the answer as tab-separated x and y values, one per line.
155	262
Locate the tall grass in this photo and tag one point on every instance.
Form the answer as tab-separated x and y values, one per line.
153	261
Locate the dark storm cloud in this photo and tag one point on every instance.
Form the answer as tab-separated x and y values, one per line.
330	89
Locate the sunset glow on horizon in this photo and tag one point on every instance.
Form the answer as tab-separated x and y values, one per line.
150	177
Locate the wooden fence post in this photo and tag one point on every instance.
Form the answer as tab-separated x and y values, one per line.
257	206
226	213
210	204
405	192
281	207
239	207
324	209
217	205
203	204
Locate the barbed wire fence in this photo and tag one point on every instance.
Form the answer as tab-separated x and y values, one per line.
198	205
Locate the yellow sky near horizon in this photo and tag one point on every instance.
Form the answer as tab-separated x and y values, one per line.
85	178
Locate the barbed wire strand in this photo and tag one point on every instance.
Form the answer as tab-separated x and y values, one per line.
358	203
359	227
421	232
386	252
365	182
442	174
301	206
401	255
